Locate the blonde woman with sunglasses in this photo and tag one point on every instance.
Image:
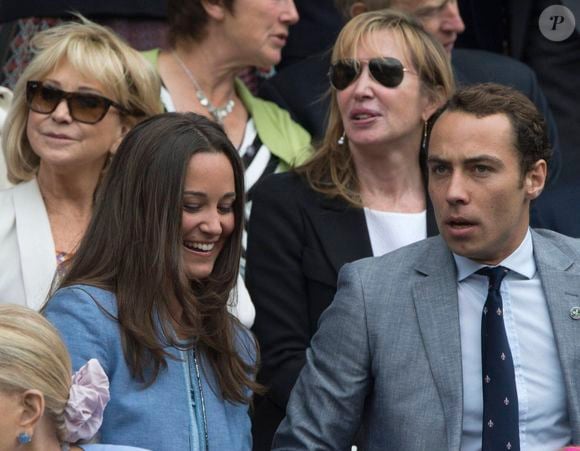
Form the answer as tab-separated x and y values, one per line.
362	194
77	98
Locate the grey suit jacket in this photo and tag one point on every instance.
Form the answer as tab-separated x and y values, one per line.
387	356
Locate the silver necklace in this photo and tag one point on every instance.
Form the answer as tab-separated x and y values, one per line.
218	113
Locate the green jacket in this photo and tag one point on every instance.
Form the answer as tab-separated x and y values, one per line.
281	135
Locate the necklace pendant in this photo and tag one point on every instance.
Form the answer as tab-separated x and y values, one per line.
218	113
203	100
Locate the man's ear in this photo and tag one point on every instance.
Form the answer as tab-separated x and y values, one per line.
214	9
357	8
535	179
32	405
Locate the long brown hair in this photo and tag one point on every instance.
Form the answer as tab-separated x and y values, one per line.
133	248
331	169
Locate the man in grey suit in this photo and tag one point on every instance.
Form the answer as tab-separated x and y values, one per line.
398	355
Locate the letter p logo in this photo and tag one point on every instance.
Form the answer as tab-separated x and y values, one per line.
557	23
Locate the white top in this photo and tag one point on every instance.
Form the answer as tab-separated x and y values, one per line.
544	423
389	231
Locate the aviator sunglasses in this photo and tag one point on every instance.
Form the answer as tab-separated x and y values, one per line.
85	108
387	71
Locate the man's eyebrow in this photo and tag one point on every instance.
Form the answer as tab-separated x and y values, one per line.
472	160
436	160
483	159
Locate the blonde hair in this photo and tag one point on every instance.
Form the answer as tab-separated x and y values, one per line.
96	53
32	356
331	170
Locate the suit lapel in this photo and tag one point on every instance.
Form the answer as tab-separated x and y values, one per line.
561	284
37	254
436	303
341	230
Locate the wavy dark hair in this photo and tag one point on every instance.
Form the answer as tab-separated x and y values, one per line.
133	248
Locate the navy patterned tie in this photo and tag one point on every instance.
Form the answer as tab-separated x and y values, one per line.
500	398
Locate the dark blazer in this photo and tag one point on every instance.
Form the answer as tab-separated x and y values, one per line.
298	241
520	16
559	209
490	23
300	89
319	25
557	65
512	26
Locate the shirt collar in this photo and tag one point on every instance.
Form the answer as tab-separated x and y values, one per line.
520	261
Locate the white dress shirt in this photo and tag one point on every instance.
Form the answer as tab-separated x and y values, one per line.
543	414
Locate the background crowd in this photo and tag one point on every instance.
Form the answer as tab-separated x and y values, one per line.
181	182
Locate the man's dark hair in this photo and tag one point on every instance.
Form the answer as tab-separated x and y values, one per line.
529	131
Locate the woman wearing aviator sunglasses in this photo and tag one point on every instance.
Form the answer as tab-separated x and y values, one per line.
362	194
81	93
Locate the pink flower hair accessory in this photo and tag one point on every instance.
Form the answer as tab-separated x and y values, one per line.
89	395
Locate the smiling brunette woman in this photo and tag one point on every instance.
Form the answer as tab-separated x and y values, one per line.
146	293
81	93
362	193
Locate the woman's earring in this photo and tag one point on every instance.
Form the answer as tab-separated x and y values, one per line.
24	438
342	139
424	140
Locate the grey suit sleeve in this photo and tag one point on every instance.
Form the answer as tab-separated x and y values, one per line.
326	404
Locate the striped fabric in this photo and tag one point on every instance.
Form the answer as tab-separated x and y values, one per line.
259	162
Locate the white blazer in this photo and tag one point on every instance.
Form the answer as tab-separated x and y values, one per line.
5	100
27	253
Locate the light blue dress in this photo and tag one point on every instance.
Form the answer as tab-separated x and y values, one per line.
182	411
